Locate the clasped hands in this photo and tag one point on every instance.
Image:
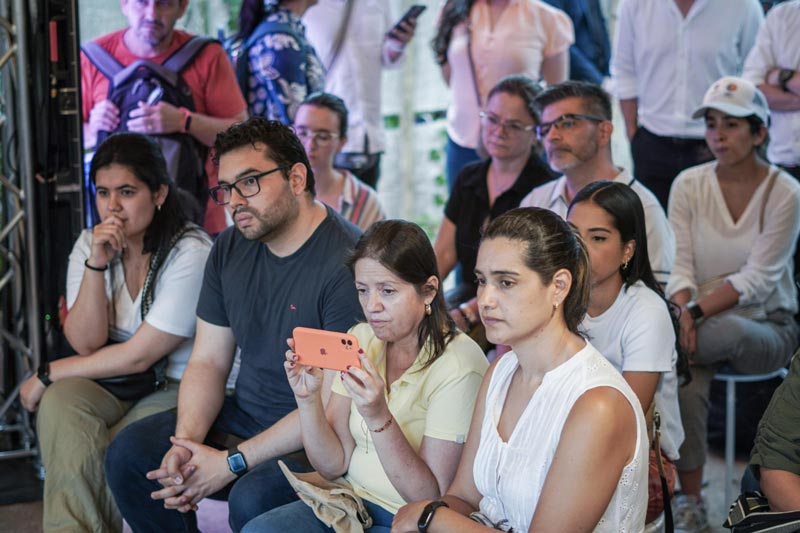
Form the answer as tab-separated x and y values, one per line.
189	472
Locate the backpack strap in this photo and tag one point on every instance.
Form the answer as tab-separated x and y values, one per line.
183	56
100	58
269	26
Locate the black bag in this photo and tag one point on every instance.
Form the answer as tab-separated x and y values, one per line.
237	49
750	513
132	387
127	86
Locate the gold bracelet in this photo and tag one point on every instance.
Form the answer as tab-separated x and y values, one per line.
384	426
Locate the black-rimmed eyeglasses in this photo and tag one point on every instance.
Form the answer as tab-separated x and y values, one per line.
564	123
246	187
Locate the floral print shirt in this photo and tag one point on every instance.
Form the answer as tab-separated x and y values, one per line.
284	70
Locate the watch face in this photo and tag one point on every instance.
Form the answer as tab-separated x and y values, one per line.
236	463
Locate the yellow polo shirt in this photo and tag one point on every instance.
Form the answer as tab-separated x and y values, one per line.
435	403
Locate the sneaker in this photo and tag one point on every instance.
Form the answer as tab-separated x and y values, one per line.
689	514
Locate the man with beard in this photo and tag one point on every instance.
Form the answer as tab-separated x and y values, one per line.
209	76
281	266
576	132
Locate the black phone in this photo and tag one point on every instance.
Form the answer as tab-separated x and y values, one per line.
412	13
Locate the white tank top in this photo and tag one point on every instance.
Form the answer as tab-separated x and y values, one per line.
510	475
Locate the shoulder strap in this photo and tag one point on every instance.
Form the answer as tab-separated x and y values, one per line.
337	43
100	58
183	56
472	66
773	175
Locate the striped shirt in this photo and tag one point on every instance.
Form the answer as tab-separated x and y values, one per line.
359	202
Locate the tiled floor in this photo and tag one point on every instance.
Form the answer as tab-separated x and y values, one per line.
26	518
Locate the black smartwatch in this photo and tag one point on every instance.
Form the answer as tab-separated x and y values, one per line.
427	515
784	75
236	462
695	311
44	374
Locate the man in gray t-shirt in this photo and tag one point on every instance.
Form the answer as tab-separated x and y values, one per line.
282	266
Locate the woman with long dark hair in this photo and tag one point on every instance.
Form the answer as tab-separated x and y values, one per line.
477	43
395	427
283	68
132	285
628	319
558	440
736	221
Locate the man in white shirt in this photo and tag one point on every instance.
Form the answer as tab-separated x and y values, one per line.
666	54
355	40
773	65
576	132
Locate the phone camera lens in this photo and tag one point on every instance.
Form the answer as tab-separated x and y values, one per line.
344	341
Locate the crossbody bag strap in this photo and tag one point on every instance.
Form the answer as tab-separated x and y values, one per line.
340	35
472	66
668	524
773	176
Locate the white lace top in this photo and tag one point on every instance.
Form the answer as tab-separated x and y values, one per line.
510	475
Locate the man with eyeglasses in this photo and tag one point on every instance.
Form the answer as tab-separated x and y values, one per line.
281	266
576	132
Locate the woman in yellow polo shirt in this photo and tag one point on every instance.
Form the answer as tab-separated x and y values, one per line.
395	427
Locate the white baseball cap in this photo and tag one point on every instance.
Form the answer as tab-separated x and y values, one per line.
736	97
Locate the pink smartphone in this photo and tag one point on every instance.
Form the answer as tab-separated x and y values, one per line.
325	349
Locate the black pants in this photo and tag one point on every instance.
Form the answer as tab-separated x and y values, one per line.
658	160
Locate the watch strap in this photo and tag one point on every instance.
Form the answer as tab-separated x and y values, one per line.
187	119
695	311
234	456
426	517
44	374
784	76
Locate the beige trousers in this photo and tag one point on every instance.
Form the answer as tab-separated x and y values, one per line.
76	421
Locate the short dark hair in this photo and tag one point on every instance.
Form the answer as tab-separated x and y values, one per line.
595	100
279	140
523	87
333	103
549	244
405	249
142	156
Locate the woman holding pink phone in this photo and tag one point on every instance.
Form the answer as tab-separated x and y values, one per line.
395	427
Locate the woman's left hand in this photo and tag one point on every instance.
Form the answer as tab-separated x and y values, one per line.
366	388
407	517
31	393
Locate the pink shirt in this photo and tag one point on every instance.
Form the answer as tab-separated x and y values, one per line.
527	32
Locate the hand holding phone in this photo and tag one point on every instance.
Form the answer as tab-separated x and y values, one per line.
398	30
325	349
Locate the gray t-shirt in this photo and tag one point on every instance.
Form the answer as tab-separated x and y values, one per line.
263	297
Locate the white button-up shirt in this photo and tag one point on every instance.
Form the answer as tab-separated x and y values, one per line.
355	76
778	46
668	62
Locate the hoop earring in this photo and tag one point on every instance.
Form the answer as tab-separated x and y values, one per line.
428	309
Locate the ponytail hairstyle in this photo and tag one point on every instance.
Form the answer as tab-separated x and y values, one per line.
625	208
454	12
549	244
403	248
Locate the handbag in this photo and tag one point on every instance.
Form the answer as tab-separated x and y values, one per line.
660	475
754	311
750	513
133	387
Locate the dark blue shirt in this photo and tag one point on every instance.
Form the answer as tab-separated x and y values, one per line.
589	56
263	297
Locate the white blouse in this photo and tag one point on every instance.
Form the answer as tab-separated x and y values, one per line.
510	475
710	244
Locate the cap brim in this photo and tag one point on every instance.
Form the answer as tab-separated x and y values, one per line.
729	109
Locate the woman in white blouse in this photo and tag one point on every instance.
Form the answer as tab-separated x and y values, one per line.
736	222
558	440
477	43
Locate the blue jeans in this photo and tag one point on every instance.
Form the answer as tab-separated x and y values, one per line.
140	447
457	158
300	517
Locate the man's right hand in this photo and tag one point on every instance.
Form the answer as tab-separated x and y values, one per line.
103	117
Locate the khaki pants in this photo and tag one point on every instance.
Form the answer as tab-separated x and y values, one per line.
76	421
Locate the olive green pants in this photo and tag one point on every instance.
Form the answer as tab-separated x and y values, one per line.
76	421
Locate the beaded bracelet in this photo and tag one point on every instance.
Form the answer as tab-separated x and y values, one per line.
96	269
383	427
